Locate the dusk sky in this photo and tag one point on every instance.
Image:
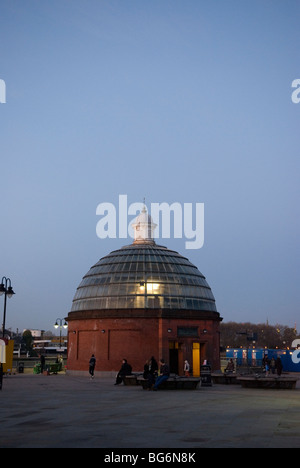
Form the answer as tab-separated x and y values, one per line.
171	100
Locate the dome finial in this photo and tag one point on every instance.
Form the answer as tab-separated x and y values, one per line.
143	227
144	210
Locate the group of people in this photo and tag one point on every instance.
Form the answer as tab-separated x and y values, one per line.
126	369
59	360
154	380
150	371
273	365
270	365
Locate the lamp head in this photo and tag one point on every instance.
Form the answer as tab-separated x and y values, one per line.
2	289
10	291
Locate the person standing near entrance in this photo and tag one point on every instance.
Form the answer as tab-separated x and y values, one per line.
92	365
186	368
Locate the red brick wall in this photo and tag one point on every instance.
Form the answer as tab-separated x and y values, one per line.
111	340
137	339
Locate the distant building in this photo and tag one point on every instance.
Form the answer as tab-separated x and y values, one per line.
34	333
140	301
51	346
44	343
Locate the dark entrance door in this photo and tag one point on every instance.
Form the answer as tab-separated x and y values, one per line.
173	358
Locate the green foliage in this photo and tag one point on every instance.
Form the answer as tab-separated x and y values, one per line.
28	340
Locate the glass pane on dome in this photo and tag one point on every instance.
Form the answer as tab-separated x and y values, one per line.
173	282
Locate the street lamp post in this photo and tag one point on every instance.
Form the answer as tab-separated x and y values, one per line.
7	290
59	323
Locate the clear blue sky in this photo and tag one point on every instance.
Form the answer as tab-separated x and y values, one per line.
176	101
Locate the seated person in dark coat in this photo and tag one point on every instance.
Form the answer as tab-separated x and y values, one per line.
126	369
153	369
150	372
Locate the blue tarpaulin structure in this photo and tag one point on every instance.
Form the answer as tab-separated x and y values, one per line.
290	358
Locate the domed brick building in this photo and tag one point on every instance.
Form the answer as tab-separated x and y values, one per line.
140	301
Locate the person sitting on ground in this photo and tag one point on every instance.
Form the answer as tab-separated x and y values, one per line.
126	369
164	374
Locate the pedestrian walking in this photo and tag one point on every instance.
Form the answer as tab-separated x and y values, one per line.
92	365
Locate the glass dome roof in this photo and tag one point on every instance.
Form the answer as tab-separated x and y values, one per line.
144	276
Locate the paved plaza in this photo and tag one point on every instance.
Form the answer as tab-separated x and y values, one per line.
67	411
